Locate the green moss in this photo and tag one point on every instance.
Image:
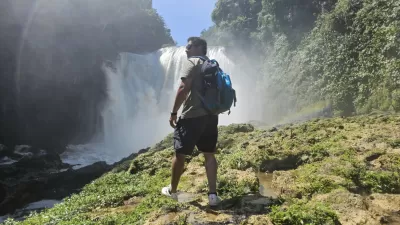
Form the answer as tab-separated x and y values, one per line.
300	212
316	153
152	203
236	128
395	143
152	161
374	154
229	186
381	181
123	166
319	178
390	162
236	160
319	157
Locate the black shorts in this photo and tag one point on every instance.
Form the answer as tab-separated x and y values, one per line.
199	131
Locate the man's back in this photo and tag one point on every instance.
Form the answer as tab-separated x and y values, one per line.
192	107
195	128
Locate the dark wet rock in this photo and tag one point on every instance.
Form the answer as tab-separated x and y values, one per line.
273	129
244	145
3	149
7	152
255	204
25	187
286	163
3	193
43	160
374	156
62	184
30	157
38	174
393	218
225	142
34	174
239	128
30	163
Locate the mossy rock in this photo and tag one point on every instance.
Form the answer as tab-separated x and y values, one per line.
324	172
237	128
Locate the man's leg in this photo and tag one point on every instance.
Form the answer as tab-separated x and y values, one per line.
207	145
185	137
178	164
211	170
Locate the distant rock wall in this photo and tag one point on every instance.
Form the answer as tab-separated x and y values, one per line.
52	87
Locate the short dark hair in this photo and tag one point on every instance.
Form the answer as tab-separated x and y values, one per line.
199	42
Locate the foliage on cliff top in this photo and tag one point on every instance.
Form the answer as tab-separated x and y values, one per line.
343	51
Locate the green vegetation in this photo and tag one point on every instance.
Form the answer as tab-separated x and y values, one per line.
341	51
312	55
301	212
324	172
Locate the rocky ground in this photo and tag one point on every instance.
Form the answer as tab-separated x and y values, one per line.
329	171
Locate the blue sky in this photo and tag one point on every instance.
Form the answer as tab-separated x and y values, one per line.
185	17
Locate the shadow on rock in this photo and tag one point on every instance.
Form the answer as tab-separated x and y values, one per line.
230	211
241	205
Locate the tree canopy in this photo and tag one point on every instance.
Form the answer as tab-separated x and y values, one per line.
341	51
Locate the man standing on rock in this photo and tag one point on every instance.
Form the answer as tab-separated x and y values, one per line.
195	126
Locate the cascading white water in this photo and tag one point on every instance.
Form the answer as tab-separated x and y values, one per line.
141	92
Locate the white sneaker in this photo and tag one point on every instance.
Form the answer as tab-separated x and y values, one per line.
167	192
213	200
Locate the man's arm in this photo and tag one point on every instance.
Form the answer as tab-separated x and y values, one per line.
186	84
183	90
182	93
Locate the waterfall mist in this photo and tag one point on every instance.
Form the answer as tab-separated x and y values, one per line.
141	90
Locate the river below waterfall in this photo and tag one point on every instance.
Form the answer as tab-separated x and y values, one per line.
20	214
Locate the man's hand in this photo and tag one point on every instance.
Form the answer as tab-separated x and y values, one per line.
172	121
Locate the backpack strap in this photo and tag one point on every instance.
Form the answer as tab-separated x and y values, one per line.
234	98
204	59
203	68
199	57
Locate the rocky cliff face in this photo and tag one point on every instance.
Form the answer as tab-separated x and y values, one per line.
51	82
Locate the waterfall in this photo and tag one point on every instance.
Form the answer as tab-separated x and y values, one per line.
141	91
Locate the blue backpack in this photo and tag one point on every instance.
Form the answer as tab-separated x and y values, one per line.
217	94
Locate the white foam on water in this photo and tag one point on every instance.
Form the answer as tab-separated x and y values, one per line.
7	161
34	206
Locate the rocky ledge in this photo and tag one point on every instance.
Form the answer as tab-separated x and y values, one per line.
330	171
28	174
